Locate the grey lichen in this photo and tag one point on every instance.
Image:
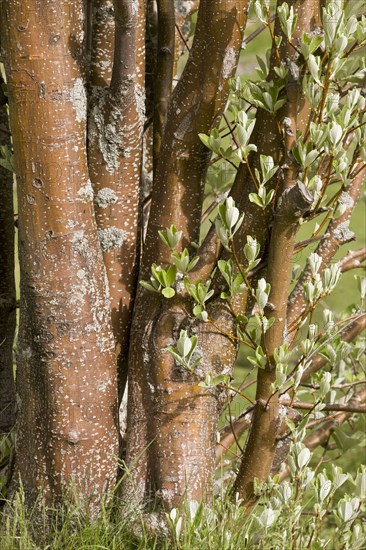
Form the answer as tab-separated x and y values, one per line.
183	8
183	127
106	12
140	102
105	197
346	200
109	140
86	192
135	7
342	233
123	413
71	224
111	237
78	98
228	63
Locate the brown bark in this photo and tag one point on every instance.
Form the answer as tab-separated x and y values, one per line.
196	103
7	282
353	260
293	201
165	402
232	432
66	380
322	434
100	42
116	121
183	13
164	70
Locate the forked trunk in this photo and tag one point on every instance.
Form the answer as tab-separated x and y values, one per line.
172	420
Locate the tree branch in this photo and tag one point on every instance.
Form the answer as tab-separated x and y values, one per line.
197	100
349	333
164	71
334	407
158	390
7	281
322	434
337	233
352	260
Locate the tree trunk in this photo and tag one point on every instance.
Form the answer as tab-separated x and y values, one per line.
116	119
172	421
66	379
292	201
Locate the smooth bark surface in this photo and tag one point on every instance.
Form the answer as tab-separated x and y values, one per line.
116	119
292	201
66	380
164	70
165	401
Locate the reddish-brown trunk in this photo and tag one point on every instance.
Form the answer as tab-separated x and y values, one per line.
66	381
292	201
164	398
116	121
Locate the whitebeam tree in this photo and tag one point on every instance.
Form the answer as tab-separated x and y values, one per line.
119	160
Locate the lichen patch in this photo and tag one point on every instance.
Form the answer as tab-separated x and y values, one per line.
343	233
86	192
346	200
78	98
105	197
228	63
111	237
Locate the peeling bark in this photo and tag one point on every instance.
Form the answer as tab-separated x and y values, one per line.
66	380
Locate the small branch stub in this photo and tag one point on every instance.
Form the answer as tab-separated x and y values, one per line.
294	203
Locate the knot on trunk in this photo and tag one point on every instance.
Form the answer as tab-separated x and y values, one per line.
294	203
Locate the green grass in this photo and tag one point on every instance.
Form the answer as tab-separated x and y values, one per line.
223	527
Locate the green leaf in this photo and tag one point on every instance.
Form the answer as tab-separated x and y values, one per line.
345	510
255	199
315	67
171	274
361	483
205	140
7	158
171	236
184	344
168	292
148	286
303	457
